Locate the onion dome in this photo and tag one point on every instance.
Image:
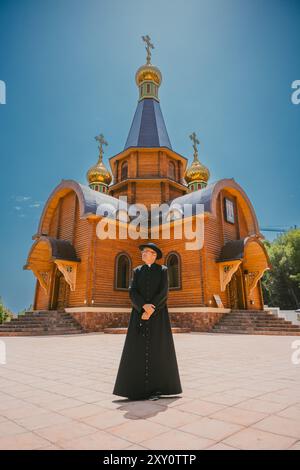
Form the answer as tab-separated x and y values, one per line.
98	175
148	78
197	175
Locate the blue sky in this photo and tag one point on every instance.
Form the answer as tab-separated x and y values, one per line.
69	69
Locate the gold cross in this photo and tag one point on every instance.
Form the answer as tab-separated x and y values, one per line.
195	141
149	46
102	141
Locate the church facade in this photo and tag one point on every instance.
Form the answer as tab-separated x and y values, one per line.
88	276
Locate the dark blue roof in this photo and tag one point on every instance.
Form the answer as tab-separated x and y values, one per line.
148	127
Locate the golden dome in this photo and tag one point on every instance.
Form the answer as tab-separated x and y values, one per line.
197	172
148	72
99	173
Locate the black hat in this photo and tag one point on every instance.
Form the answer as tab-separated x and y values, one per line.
153	247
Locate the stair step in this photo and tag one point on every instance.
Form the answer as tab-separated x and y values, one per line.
255	332
41	323
255	322
124	330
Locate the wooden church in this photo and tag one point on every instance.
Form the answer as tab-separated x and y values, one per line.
88	276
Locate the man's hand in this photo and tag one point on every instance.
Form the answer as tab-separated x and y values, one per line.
149	309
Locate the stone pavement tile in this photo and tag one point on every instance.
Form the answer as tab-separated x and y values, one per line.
221	446
72	375
24	411
139	430
173	418
24	441
107	419
200	407
9	428
253	439
235	415
226	398
175	439
136	447
246	392
292	412
38	397
62	404
83	411
281	399
261	405
295	446
97	441
42	420
9	403
112	404
16	390
92	396
142	408
67	430
210	428
279	425
50	447
173	401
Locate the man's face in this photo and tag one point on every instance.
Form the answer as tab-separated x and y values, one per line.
149	255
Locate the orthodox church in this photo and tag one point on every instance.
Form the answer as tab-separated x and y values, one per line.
88	276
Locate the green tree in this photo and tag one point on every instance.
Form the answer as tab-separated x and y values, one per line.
3	312
281	285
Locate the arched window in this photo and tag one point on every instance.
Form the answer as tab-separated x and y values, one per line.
124	171
173	263
122	271
171	171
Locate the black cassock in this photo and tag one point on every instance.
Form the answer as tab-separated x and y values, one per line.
148	363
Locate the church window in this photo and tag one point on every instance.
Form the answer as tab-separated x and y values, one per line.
229	210
171	170
124	171
122	271
173	263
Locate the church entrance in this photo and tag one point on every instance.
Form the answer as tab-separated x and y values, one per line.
60	292
236	290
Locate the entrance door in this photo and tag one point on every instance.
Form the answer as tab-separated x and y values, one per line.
237	291
60	292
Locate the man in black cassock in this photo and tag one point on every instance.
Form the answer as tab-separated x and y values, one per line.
148	366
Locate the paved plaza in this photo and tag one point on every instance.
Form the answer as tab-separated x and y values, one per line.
239	392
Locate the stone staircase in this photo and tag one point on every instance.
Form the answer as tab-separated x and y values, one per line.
43	322
120	330
255	322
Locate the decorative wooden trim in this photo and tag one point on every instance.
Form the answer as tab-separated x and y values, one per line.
69	271
226	271
43	276
252	279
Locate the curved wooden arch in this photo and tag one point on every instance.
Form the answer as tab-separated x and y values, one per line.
61	190
235	189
